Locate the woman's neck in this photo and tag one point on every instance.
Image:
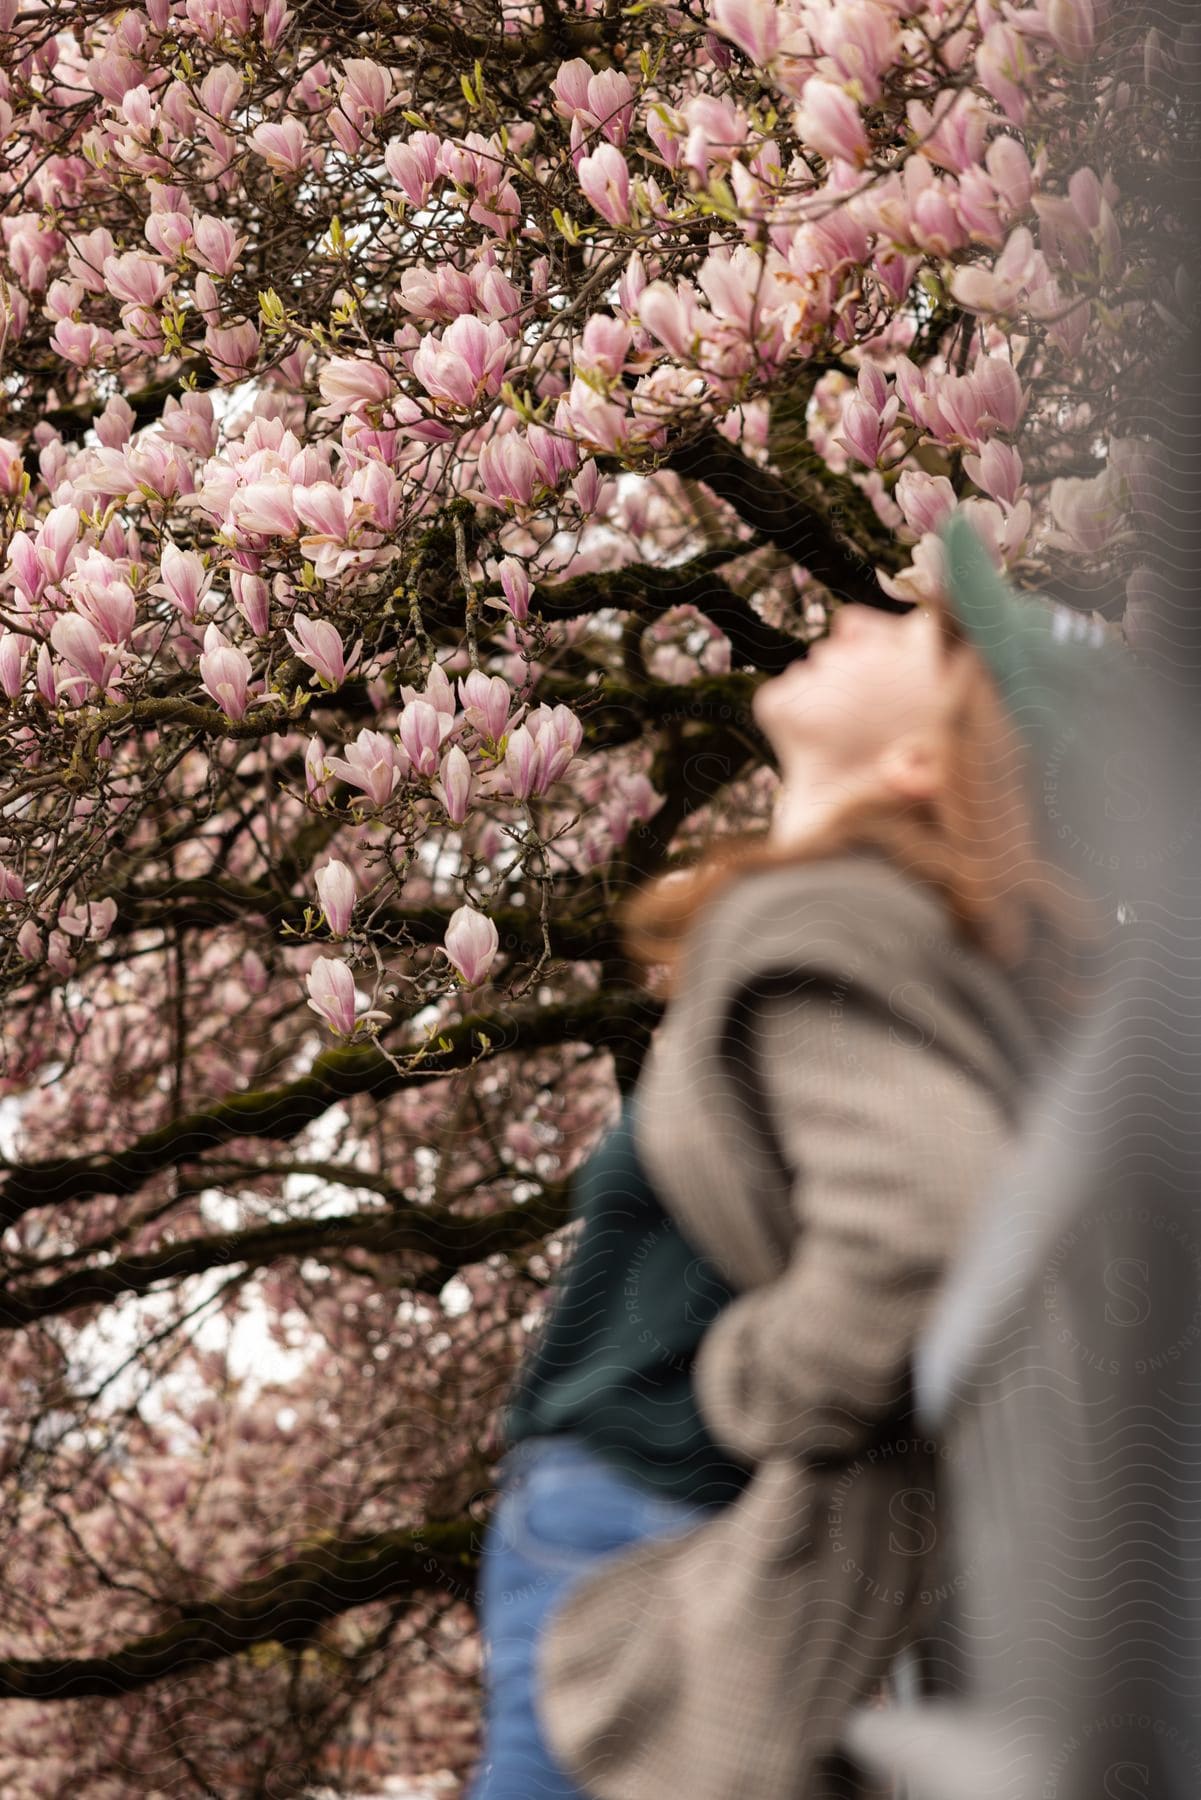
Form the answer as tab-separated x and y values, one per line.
805	803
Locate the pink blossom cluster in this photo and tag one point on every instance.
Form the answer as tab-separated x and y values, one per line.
225	540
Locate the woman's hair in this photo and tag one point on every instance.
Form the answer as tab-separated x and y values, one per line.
973	843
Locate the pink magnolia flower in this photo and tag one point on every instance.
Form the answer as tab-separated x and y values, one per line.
861	39
216	245
331	994
225	673
604	178
316	770
233	349
1009	168
81	343
183	579
935	221
58	953
102	594
12	887
611	104
141	330
86	257
595	422
14	648
373	764
168	233
252	597
587	488
437	693
414	163
602	103
539	751
368	84
190	423
221	90
468	361
997	471
978	207
471	944
508	472
956	410
570	87
604	347
283	147
336	892
79	643
523	763
896	271
266	507
275	17
25	568
377	495
138	279
438	293
421	729
348	383
1004	533
559	735
1088	510
927	501
1004	69
923	581
1071	26
754	25
729	282
673	316
829	120
867	428
486	703
454	784
1019	273
47	681
515	584
497	298
56	540
1000	390
952	130
318	644
10	466
553	452
630	285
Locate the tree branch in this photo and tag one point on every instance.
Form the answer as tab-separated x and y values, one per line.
604	1020
649	592
451	1240
286	1606
802	531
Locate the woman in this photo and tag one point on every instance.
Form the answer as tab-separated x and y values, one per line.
714	1532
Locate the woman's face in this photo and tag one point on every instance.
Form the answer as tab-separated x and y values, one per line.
870	701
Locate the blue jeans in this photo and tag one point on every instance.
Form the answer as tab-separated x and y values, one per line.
559	1511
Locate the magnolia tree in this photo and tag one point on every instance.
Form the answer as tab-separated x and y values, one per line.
422	426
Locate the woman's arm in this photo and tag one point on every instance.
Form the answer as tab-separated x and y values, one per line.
892	1134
